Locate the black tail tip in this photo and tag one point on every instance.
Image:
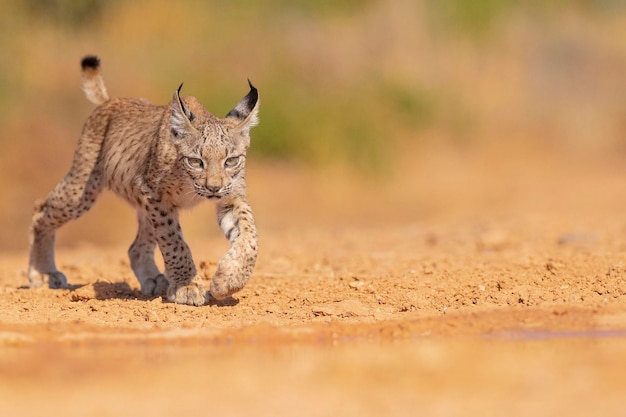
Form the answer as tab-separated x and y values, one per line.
90	62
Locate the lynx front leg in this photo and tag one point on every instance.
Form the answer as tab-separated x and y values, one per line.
237	264
141	255
185	285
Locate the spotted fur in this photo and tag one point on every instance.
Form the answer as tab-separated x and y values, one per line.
160	159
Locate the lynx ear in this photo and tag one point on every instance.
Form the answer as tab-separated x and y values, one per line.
180	122
246	112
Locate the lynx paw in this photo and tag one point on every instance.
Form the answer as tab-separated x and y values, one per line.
229	278
221	287
155	286
192	294
53	279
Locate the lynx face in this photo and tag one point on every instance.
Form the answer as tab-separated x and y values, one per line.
211	151
214	168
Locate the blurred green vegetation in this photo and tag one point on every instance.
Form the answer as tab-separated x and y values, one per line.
356	87
340	82
481	17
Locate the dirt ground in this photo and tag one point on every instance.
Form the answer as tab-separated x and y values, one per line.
472	283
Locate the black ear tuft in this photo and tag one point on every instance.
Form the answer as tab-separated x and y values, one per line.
253	95
246	105
187	112
90	61
253	88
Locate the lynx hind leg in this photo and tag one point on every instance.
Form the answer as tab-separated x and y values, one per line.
41	267
72	197
141	255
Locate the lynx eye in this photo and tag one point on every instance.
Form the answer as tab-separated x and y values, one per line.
231	162
195	163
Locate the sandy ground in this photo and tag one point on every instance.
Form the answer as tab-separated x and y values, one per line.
473	285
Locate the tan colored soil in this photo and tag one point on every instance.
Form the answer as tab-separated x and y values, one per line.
477	284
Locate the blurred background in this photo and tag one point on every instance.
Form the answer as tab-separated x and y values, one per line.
371	110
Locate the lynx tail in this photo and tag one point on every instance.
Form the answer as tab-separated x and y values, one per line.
93	84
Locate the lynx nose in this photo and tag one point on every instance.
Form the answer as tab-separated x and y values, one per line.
213	188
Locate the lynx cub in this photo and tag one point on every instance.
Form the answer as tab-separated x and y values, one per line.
160	159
